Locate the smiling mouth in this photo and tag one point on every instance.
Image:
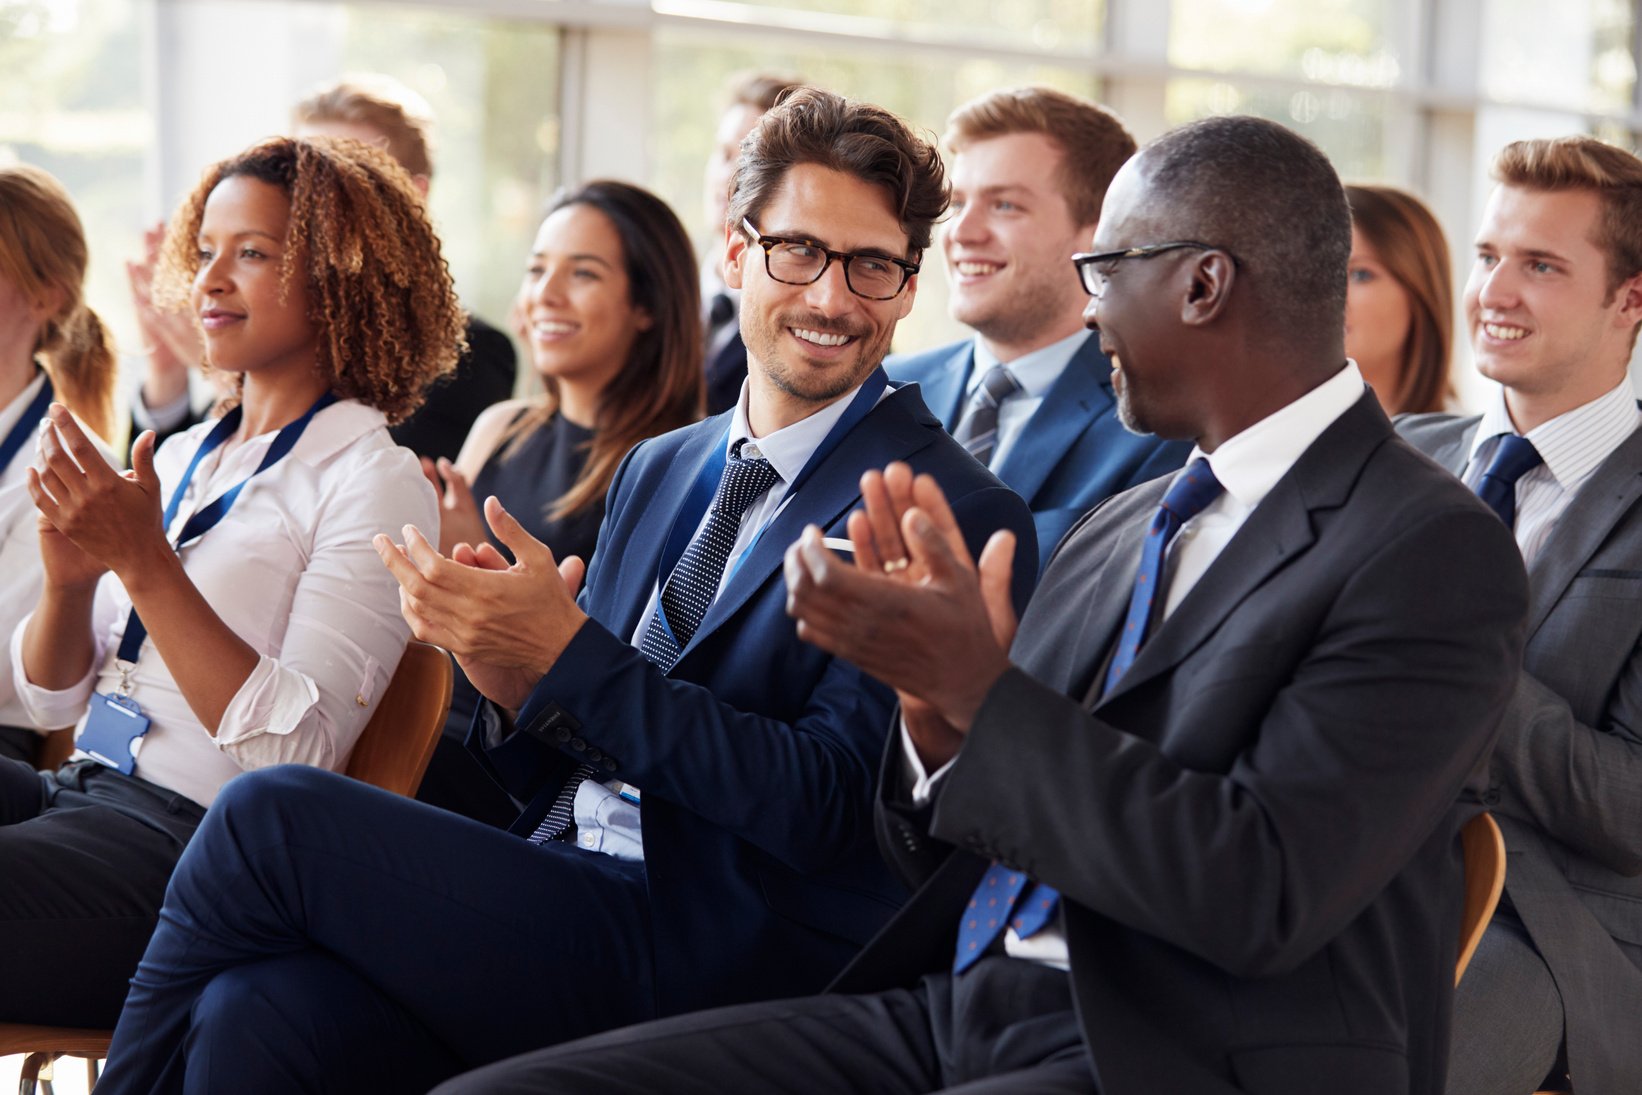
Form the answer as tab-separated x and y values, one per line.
974	269
820	338
549	328
1504	332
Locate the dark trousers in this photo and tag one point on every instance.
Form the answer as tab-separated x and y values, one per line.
1507	1030
19	744
84	857
323	935
1003	1027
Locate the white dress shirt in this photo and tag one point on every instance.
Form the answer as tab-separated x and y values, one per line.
292	572
1573	446
1248	465
1035	372
606	821
20	545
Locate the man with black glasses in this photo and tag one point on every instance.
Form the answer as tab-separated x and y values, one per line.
1031	394
698	780
1195	830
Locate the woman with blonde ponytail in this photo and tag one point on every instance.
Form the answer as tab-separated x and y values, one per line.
51	347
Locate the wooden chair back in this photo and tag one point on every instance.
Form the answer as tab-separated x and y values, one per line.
1484	850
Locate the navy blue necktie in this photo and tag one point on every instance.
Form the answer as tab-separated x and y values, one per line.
978	430
684	600
1514	458
1007	898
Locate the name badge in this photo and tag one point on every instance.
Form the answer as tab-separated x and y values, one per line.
114	732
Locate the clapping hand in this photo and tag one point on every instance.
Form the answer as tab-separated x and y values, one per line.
506	624
914	609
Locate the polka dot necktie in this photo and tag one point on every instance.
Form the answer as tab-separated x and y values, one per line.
1007	898
978	430
1514	458
689	591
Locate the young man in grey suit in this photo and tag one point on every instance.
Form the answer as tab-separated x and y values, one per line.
1226	854
1553	304
1031	394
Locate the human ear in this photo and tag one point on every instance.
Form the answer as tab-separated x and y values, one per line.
1212	277
735	252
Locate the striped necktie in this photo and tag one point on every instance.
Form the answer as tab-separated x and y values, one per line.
978	429
684	600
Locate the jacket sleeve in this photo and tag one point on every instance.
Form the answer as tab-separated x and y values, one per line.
1255	863
1581	785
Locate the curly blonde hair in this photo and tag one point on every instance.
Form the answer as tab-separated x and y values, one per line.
43	247
379	292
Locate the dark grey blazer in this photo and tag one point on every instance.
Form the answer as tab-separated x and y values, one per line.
1256	830
1566	780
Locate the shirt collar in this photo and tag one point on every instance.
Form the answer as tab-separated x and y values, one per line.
1035	372
12	413
1250	464
1565	442
789	448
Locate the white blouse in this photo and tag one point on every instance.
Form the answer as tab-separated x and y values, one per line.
20	545
292	572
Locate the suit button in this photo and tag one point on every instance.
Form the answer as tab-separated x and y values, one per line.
561	735
609	764
1491	797
578	745
594	755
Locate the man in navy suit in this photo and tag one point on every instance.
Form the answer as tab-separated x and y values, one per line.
1216	773
321	934
1031	395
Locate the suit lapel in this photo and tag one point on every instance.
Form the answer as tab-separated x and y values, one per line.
1077	397
1605	499
943	390
893	431
1455	454
1279	529
641	553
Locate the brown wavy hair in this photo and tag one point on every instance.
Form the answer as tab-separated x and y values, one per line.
1410	244
43	249
811	126
660	387
379	293
384	104
1092	140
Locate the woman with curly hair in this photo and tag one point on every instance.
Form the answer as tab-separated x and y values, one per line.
51	347
1399	300
220	606
610	306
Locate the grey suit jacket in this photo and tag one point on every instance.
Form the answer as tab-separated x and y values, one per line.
1566	779
1256	829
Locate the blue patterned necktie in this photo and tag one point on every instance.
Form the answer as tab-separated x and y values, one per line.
978	430
684	600
1514	458
1006	897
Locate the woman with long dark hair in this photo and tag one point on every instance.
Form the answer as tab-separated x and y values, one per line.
610	308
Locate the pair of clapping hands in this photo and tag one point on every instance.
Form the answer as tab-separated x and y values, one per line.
93	518
914	609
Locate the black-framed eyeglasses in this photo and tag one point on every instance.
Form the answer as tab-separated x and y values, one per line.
1094	269
793	261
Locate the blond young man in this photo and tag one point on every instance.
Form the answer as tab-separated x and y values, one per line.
1030	395
1553	304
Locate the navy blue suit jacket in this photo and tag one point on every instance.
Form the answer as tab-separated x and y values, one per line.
1072	454
756	752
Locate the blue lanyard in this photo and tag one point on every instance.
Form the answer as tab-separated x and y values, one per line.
26	425
705	486
207	517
